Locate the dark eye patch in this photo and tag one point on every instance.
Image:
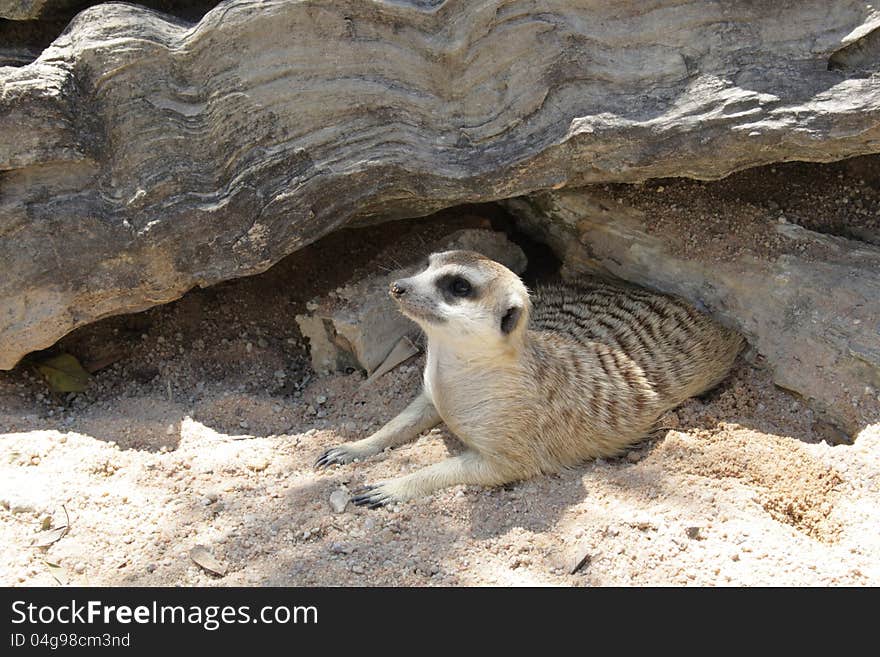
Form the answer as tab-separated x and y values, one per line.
455	287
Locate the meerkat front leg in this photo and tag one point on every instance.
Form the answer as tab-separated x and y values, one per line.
468	468
419	416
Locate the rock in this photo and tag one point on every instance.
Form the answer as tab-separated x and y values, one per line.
811	312
694	533
361	325
143	155
257	463
28	10
338	501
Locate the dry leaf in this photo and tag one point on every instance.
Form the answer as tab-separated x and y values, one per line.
63	373
59	573
402	351
583	562
47	538
202	557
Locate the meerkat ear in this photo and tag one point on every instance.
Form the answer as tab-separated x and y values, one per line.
510	319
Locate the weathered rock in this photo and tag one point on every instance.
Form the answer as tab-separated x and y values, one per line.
811	311
360	325
143	156
28	10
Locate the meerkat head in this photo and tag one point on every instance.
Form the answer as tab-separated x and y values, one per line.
463	296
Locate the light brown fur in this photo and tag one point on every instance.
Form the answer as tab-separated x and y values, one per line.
583	375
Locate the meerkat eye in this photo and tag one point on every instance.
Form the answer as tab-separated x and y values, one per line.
459	287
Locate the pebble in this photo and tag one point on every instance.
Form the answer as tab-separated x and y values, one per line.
79	568
635	456
322	399
693	533
341	548
258	463
338	500
357	569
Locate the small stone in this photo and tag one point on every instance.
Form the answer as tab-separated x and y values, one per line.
357	569
635	456
338	501
243	424
79	568
341	548
258	463
262	344
322	399
249	347
694	533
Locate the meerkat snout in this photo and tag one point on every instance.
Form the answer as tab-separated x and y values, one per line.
462	294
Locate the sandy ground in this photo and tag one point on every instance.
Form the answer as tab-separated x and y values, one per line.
204	419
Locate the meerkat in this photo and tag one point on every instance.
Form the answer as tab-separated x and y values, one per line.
533	386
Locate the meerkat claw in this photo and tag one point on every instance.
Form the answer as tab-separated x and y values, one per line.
331	456
371	497
324	460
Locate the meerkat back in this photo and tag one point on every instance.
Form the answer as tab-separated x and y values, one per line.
652	351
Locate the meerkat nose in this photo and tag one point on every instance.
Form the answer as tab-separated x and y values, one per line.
397	289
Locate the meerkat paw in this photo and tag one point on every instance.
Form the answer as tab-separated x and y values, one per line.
373	497
340	454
